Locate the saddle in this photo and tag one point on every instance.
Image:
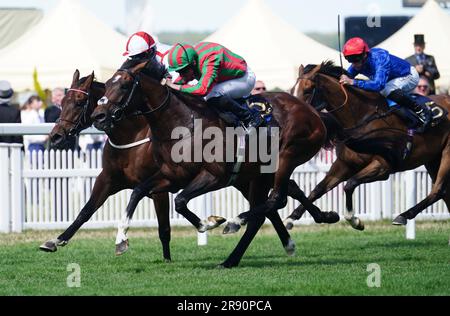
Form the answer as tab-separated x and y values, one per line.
257	105
410	117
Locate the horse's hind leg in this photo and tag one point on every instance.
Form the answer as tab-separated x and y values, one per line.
162	206
319	216
338	173
439	190
378	169
203	183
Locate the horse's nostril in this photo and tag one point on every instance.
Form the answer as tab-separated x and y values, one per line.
100	117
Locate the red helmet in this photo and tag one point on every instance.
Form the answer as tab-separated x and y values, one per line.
355	46
138	43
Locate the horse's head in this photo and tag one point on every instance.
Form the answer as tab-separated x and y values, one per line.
77	105
307	86
120	90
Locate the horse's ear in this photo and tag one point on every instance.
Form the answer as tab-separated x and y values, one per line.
76	77
139	67
301	70
89	80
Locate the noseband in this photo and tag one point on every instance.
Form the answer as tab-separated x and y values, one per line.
122	105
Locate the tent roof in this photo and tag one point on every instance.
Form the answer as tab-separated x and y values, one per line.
69	38
272	48
434	23
14	22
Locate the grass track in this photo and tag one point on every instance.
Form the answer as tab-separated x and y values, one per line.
330	260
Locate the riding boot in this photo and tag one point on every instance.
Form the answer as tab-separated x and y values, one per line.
423	112
227	104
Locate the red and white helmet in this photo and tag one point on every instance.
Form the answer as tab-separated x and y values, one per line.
138	43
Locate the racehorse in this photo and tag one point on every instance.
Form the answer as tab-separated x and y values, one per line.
130	163
374	142
127	160
302	135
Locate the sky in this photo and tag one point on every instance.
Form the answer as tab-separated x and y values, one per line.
209	15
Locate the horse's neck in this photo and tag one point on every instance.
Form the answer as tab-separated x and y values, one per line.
136	129
175	114
351	110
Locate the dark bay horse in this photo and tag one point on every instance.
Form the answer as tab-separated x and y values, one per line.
374	139
122	168
301	136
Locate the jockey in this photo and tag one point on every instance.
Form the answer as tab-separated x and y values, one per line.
143	46
389	75
222	77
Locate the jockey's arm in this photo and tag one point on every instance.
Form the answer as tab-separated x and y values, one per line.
379	79
209	74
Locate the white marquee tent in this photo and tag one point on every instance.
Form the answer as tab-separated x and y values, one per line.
68	38
434	23
273	49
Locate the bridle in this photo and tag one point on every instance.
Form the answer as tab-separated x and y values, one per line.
117	114
314	93
82	120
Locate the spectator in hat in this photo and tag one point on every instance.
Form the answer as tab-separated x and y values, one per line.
8	114
424	64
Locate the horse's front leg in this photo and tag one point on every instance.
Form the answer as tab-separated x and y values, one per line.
377	170
202	183
103	188
153	184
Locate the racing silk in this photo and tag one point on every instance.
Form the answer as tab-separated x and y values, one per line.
162	53
380	67
216	64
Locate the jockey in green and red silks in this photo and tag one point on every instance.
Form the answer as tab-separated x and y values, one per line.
389	75
222	77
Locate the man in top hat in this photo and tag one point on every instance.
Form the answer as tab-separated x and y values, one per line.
425	64
8	114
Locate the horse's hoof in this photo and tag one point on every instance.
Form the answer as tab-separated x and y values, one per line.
400	220
211	223
290	248
224	265
356	223
49	246
167	260
231	228
331	217
122	247
289	223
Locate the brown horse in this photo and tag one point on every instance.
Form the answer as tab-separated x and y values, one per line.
122	168
374	140
129	164
301	136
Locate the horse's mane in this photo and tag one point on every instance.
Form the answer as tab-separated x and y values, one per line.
330	69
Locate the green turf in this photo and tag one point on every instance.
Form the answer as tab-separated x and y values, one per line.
330	260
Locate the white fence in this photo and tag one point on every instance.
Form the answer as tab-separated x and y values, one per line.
47	190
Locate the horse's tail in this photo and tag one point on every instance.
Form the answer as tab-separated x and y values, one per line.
334	129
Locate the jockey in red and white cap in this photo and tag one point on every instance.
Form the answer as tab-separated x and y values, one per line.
142	45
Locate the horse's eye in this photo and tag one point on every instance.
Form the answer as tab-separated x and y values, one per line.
125	86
